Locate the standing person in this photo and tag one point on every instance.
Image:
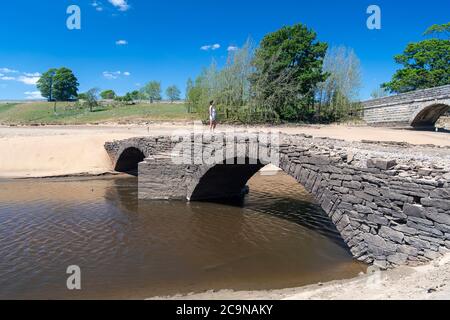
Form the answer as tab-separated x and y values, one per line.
212	116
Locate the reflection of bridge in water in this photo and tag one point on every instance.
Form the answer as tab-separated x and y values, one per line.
390	203
417	109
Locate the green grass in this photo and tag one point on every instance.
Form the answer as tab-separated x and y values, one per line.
68	113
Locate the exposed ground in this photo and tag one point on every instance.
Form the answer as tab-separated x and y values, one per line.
431	281
70	150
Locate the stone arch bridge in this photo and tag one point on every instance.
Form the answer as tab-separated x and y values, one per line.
418	109
390	202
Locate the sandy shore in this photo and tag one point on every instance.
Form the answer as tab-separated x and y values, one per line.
73	150
428	282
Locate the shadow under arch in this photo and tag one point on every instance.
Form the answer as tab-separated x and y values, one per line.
227	185
129	160
427	116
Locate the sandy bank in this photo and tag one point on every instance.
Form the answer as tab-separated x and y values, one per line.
71	150
431	281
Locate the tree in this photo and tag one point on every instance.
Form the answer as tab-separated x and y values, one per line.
108	95
425	65
189	88
153	91
337	94
65	85
438	29
173	93
45	84
135	95
92	98
58	85
288	68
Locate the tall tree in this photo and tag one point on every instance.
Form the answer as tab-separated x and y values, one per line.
92	98
426	64
45	84
108	95
337	94
152	91
58	85
288	68
173	93
65	85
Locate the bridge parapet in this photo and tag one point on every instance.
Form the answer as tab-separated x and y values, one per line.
390	202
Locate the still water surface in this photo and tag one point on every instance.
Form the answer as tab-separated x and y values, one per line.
275	238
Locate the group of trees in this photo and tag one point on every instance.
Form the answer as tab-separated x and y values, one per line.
425	63
291	76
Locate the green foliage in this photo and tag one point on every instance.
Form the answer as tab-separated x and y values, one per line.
152	91
229	87
65	85
425	64
108	95
45	83
438	29
173	93
135	95
288	68
92	98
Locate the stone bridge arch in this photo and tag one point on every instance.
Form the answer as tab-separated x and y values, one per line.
128	160
390	208
429	113
222	180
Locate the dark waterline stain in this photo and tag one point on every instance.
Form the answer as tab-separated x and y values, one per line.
276	237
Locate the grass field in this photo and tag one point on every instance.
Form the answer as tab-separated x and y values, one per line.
68	113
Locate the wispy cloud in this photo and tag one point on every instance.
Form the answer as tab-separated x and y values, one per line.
113	75
7	70
28	78
121	5
97	5
33	95
232	48
121	42
210	47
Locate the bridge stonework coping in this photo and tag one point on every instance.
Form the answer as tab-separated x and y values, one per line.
390	202
421	108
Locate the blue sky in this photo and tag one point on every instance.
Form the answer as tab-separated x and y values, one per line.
123	44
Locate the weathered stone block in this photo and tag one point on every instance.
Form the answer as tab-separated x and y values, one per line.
391	234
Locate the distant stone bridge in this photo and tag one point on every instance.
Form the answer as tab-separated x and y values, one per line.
390	202
417	109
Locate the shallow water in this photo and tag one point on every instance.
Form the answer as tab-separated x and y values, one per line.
277	237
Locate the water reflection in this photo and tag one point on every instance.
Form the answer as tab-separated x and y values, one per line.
277	237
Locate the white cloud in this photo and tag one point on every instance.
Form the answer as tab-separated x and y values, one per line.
29	80
34	74
113	75
97	5
210	47
232	48
7	70
122	5
121	42
33	95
